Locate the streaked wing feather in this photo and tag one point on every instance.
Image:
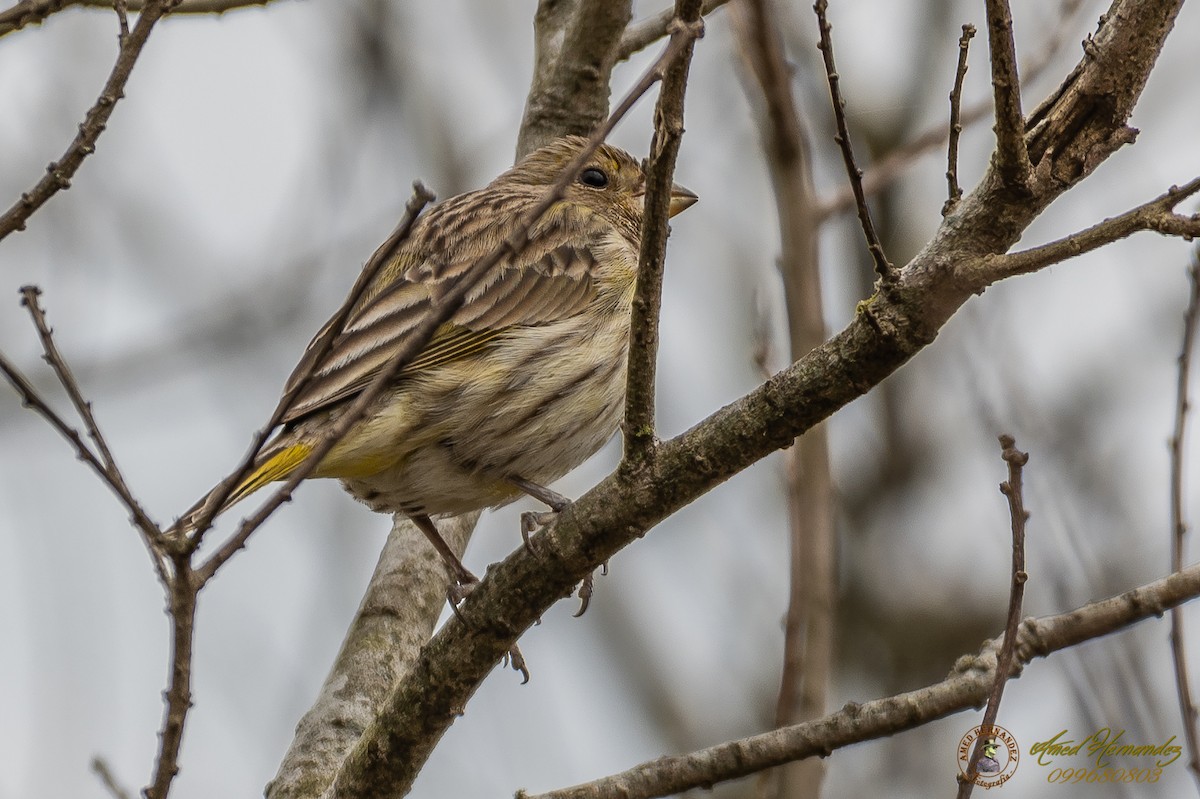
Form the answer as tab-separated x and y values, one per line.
555	286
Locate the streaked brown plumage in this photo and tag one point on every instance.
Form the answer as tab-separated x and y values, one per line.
523	383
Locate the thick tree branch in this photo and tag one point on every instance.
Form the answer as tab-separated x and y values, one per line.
576	48
966	687
395	619
59	173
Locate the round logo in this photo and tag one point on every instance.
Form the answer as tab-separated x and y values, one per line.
997	761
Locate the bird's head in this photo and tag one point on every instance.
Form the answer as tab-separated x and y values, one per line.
611	182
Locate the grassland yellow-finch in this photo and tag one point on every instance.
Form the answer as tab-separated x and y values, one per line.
524	382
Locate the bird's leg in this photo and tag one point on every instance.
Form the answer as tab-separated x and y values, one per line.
531	522
464	581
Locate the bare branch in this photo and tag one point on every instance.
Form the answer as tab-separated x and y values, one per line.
647	299
106	471
645	32
1157	215
59	173
1012	158
1191	320
1011	488
576	50
35	12
396	618
812	595
181	599
883	267
967	687
954	192
879	176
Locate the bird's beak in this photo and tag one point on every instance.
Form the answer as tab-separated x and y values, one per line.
681	199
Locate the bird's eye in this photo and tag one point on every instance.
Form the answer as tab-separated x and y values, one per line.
593	177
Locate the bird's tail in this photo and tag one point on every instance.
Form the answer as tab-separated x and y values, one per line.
271	466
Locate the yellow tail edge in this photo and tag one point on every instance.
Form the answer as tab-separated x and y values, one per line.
276	467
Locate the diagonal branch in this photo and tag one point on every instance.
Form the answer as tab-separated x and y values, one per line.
1158	215
59	173
965	688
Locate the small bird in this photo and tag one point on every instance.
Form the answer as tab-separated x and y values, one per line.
522	384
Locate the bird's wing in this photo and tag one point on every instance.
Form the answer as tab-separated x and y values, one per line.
552	281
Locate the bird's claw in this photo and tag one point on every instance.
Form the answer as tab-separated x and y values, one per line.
532	522
514	658
585	590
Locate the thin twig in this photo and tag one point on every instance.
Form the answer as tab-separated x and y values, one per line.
887	170
1012	157
964	689
883	267
1011	488
109	475
645	32
122	9
1157	215
59	173
209	506
52	356
647	299
101	769
954	191
181	599
1187	706
34	12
